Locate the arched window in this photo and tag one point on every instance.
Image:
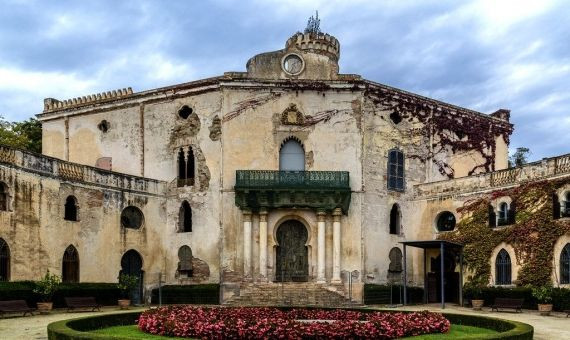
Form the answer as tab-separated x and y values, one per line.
395	222
503	268
445	221
503	214
3	197
185	261
181	165
565	264
190	166
4	261
70	265
132	218
291	156
396	170
71	209
395	256
185	218
186	167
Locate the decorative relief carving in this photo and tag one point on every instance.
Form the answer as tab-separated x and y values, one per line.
292	116
7	155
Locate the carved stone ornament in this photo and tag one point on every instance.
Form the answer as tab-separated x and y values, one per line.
292	116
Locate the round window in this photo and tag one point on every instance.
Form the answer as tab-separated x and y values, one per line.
446	221
132	218
293	64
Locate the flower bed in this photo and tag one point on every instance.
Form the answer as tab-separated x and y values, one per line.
260	323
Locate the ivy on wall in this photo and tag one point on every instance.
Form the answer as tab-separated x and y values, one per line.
454	129
532	236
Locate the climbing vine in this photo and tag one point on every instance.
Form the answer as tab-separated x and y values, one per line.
453	128
532	236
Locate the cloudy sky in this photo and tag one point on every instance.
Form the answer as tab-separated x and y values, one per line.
482	55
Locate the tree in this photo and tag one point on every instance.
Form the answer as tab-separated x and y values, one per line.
519	157
24	135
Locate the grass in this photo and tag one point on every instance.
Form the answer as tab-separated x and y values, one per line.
130	331
456	331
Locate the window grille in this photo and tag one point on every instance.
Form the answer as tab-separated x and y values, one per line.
396	170
565	264
70	265
503	268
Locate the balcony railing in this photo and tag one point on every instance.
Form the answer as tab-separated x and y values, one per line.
267	189
265	179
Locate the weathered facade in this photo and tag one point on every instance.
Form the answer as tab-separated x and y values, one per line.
290	171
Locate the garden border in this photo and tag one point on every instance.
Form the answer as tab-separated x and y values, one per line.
72	329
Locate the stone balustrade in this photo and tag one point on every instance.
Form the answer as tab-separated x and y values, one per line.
544	169
67	171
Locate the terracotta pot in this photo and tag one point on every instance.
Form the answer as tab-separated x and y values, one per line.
45	307
124	304
477	304
545	309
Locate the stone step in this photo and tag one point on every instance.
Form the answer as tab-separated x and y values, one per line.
290	294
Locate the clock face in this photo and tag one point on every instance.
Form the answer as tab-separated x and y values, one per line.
293	64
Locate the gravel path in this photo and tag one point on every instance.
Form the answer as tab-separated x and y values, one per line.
35	327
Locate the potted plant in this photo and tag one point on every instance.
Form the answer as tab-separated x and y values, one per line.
476	291
126	283
544	296
46	287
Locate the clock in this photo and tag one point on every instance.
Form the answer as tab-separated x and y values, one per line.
293	64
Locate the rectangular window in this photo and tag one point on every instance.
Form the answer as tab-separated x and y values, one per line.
396	170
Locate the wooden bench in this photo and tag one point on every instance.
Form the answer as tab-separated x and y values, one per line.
82	302
567	312
504	303
15	306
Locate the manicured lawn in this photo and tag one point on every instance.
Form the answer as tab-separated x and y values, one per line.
457	331
130	331
465	332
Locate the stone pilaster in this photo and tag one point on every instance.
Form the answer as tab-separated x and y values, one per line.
336	246
263	245
247	244
321	247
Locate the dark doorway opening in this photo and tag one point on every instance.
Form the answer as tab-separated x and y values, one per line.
292	253
450	278
131	264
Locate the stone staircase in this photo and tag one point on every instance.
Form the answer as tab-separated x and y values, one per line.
290	294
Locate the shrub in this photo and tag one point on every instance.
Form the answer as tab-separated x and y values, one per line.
104	293
47	286
543	294
560	296
127	283
273	323
375	294
188	294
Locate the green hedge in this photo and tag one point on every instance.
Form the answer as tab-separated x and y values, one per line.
561	296
380	294
508	330
188	294
79	328
105	294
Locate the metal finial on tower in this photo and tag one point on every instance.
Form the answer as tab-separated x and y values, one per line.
313	25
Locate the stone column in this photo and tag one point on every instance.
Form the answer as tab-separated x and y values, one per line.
321	247
247	244
336	246
263	245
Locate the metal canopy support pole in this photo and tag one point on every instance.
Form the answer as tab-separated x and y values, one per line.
405	277
441	254
461	277
425	277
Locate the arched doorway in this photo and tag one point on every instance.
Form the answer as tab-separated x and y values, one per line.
450	278
131	264
292	253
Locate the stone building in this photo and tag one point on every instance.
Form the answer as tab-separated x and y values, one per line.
289	172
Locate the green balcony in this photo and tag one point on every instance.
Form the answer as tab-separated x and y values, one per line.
320	190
